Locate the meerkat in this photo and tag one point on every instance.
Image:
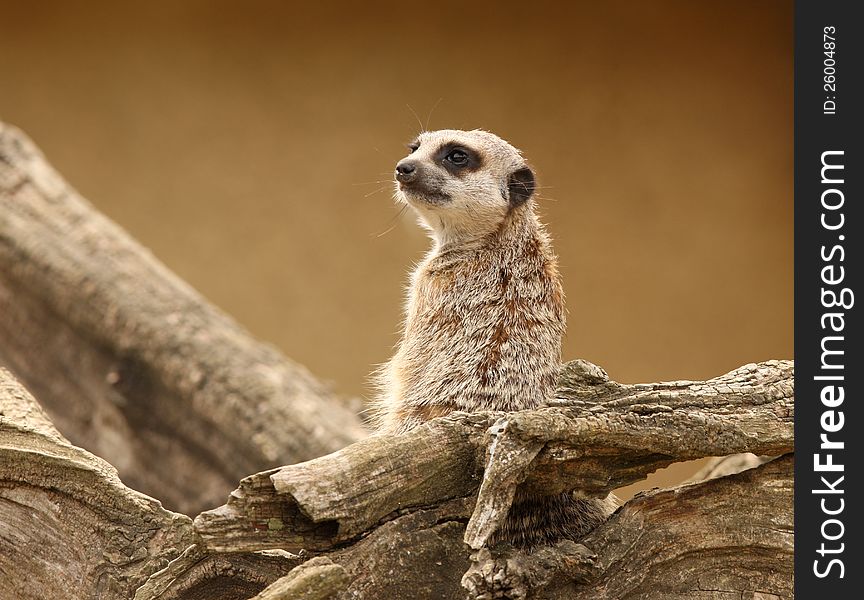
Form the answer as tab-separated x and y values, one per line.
484	313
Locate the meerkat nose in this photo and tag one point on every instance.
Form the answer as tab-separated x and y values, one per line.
406	170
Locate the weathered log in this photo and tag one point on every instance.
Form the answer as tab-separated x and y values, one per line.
730	537
69	528
66	520
313	580
689	542
342	495
197	575
723	539
602	435
513	574
133	364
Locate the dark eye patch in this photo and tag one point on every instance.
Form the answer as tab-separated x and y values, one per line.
458	159
412	146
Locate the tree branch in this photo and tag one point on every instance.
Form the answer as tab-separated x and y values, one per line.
604	435
601	436
730	537
57	502
159	374
67	522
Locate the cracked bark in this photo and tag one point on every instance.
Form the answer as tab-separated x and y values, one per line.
599	435
170	390
131	364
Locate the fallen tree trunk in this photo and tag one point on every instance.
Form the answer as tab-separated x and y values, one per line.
688	542
726	538
69	528
599	436
133	364
130	362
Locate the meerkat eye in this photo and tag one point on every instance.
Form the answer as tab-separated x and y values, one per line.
457	157
413	146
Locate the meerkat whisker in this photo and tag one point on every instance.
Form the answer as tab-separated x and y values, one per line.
380	189
392	225
432	110
417	117
379	182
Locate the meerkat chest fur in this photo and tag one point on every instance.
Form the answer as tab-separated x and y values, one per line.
484	312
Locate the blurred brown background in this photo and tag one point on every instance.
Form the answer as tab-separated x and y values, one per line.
250	145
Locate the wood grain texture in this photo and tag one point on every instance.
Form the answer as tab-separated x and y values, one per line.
598	435
602	435
64	507
182	400
67	522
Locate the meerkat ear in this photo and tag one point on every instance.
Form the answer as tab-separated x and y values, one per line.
521	186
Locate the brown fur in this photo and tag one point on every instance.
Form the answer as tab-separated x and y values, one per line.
484	315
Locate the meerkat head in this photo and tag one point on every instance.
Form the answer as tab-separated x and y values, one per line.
463	184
